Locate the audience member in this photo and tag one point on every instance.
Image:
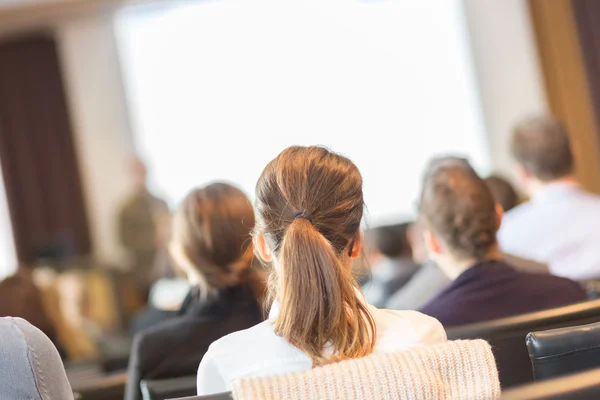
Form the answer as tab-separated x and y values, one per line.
388	253
503	192
211	243
30	366
142	220
425	284
20	297
430	280
309	206
559	225
166	298
460	223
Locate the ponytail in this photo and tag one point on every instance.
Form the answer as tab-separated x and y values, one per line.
319	306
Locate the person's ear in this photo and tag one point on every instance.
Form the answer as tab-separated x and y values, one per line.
431	242
499	214
357	245
263	249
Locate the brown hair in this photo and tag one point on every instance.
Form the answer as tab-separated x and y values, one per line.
457	205
309	205
502	191
542	147
211	228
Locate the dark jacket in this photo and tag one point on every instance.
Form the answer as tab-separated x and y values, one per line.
492	289
175	348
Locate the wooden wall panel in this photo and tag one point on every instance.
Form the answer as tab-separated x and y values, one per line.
567	85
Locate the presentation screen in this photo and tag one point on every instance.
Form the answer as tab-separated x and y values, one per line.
218	88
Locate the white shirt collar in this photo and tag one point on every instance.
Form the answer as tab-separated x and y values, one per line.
556	190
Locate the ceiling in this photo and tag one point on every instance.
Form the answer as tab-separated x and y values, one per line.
18	16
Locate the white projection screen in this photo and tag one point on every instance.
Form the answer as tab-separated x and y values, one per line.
218	88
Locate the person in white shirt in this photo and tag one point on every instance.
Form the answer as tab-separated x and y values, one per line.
560	225
309	205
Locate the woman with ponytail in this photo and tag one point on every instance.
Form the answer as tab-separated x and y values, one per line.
309	206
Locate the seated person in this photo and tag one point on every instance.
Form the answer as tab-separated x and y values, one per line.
559	225
309	206
30	366
460	222
503	192
389	255
211	243
430	280
21	297
164	302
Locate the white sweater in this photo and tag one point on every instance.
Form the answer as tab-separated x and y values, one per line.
259	352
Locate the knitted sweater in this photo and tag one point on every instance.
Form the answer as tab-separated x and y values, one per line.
463	369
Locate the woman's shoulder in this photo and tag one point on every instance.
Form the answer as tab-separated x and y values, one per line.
414	326
245	339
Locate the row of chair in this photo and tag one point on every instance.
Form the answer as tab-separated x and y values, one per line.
580	386
508	338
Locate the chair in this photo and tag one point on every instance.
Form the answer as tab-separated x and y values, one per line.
162	389
110	387
564	351
507	336
581	386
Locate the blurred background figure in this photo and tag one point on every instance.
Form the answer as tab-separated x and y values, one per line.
559	225
143	220
426	282
389	256
503	192
21	297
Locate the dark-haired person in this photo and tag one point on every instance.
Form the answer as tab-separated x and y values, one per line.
211	244
560	225
309	206
460	221
503	192
389	257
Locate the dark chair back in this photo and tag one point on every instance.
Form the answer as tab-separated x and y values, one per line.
581	386
217	396
507	336
108	387
162	389
564	351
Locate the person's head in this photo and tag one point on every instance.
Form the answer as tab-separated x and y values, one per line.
418	248
211	241
309	205
388	241
542	149
459	216
139	172
502	192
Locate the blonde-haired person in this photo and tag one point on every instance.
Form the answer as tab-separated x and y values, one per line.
309	206
211	244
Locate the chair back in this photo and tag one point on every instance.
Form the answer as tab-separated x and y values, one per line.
507	336
564	351
161	389
581	386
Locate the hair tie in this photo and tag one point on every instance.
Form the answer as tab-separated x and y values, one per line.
303	215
